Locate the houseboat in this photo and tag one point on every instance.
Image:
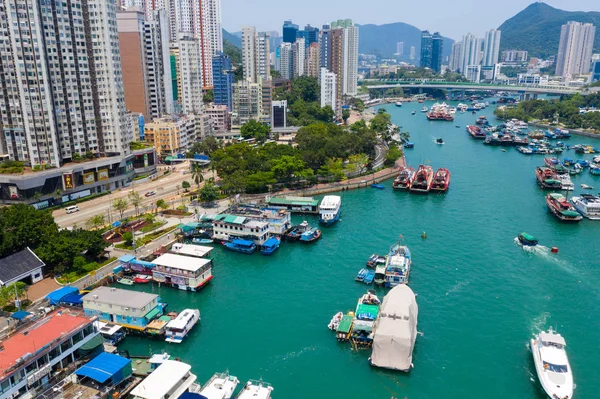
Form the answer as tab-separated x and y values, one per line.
279	220
294	204
156	328
184	272
561	208
242	246
344	329
363	324
229	227
270	246
547	179
422	180
255	390
588	205
404	179
441	180
330	209
178	328
171	379
397	267
220	386
112	334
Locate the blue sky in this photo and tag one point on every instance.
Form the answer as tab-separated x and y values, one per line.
452	18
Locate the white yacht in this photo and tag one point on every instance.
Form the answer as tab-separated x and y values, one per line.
255	390
424	109
220	386
588	205
552	365
330	209
170	380
178	328
566	182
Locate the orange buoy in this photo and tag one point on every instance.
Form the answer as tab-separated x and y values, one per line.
554	250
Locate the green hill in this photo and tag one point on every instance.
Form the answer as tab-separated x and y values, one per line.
537	29
232	38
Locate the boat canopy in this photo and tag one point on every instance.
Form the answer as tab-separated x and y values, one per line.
396	331
553	338
528	237
367	312
271	242
242	243
56	296
345	324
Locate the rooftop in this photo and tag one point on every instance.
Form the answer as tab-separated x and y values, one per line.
24	344
289	200
119	297
18	264
191	250
162	380
181	262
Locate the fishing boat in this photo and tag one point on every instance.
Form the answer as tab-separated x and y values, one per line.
270	246
441	180
422	180
335	321
125	281
439	141
536	134
201	241
588	205
547	179
365	316
527	240
142	278
586	187
330	209
552	364
255	390
296	232
482	120
220	386
397	267
576	169
476	132
561	208
178	328
565	181
241	246
375	260
344	329
404	179
409	144
525	150
378	186
311	235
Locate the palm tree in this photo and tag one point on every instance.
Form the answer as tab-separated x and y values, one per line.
197	174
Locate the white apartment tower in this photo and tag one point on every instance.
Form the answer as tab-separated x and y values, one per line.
62	94
328	89
189	73
286	61
454	63
256	55
491	47
575	49
247	101
350	60
299	50
470	53
158	63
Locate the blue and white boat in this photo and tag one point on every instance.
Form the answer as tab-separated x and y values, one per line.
330	209
378	186
178	328
201	241
239	245
270	246
397	267
311	235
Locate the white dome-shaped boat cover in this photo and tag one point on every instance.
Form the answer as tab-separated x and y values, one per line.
396	330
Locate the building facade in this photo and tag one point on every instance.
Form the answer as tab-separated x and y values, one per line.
437	48
222	80
290	32
426	49
328	89
575	49
491	47
312	63
286	61
256	54
279	114
454	63
349	57
470	54
247	102
158	64
325	47
299	56
189	74
65	95
517	56
172	135
220	118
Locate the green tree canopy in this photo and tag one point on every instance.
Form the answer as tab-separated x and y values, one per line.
255	130
209	193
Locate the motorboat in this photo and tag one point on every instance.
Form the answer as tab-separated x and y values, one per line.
330	209
270	246
201	241
398	104
562	208
588	205
476	132
565	181
439	141
125	281
335	321
111	333
586	187
378	186
311	235
527	240
409	144
375	260
414	113
178	328
424	109
576	169
404	179
547	178
241	246
220	386
142	278
552	364
595	169
255	390
379	277
296	232
441	180
422	180
397	266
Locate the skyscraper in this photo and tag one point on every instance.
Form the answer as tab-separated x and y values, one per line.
436	52
325	47
222	80
400	48
344	56
470	53
256	54
412	53
491	47
189	73
290	32
286	61
575	49
299	56
55	103
426	49
455	61
312	62
156	32
310	34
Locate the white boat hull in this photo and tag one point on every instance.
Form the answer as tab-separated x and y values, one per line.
556	385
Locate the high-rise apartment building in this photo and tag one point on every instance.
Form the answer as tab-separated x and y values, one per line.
256	54
343	52
189	74
299	56
290	32
426	49
514	56
222	80
247	102
575	49
328	89
454	63
337	61
325	47
312	63
412	53
400	48
286	61
470	54
157	52
61	94
491	47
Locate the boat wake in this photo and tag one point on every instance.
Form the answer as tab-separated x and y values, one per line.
457	287
539	324
546	254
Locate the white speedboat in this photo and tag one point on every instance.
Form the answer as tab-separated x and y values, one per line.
586	187
565	181
552	365
178	328
424	109
255	390
588	205
220	386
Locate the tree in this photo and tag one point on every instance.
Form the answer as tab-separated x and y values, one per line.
128	238
149	218
208	97
346	114
96	221
36	196
185	185
392	156
7	293
208	193
197	175
120	205
333	169
136	200
260	182
256	130
275	74
23	226
162	204
285	167
357	163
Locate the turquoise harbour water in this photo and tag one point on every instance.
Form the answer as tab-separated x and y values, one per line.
481	297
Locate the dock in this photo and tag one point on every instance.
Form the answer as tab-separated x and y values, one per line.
295	204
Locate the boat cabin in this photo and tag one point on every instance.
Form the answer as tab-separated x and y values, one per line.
344	329
228	227
111	333
196	251
178	328
170	380
183	272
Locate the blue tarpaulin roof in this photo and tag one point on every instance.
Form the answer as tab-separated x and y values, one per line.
55	296
20	315
126	258
72	299
103	367
143	263
191	395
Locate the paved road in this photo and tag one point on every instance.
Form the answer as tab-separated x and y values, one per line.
380	153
